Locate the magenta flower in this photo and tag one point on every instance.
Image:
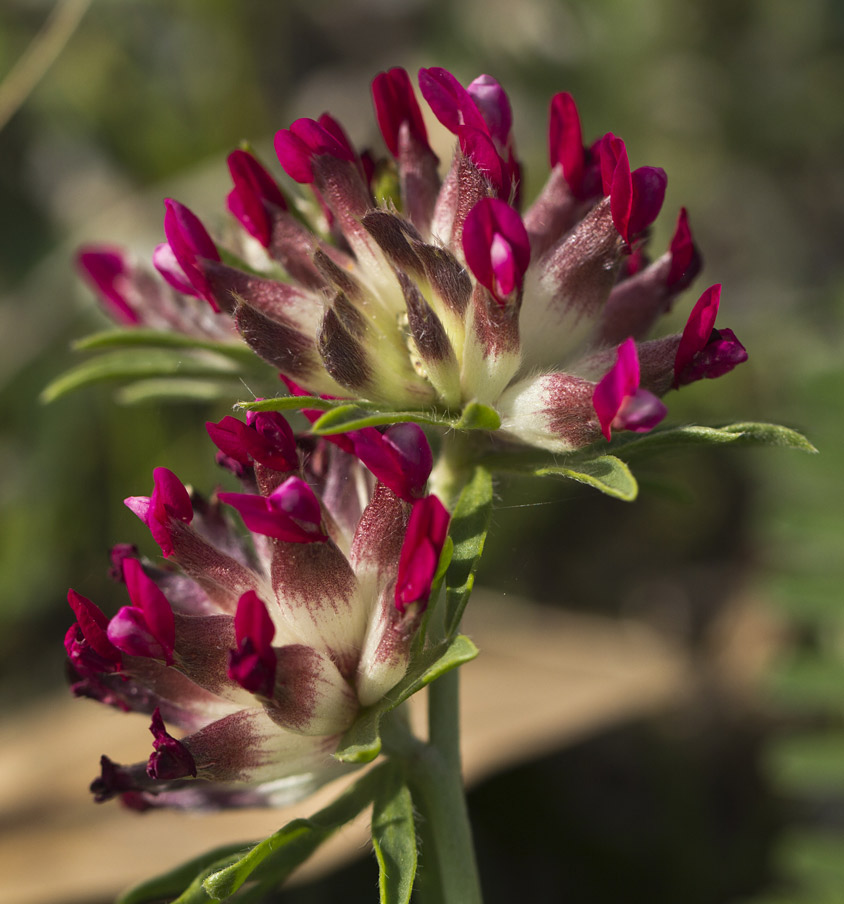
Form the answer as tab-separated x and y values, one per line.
496	248
180	259
262	648
255	198
448	294
620	401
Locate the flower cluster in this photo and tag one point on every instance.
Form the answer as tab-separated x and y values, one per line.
413	289
262	648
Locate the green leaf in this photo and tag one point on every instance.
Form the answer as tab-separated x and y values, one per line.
177	880
139	364
478	417
606	473
740	434
139	337
394	837
287	403
362	742
468	529
291	845
349	417
170	390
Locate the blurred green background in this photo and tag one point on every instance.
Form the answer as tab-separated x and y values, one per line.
741	103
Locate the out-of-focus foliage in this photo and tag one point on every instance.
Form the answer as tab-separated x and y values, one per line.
740	102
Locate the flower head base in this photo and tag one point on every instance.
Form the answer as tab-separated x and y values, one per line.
263	648
448	293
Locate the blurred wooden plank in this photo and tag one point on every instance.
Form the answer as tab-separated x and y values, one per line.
543	679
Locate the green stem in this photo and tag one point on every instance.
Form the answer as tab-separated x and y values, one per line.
453	467
449	873
444	718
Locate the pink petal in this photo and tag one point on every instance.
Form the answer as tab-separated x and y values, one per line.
451	102
294	156
131	633
164	260
496	246
253	189
420	552
86	642
565	139
640	412
395	105
400	457
698	328
479	148
106	269
146	595
290	513
343	149
493	104
685	257
190	243
620	382
648	189
252	620
253	664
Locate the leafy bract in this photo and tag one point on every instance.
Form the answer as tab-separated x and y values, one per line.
343	415
468	529
741	434
362	742
348	417
177	880
606	473
394	836
279	854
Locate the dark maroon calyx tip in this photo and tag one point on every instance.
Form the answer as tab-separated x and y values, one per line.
686	261
719	356
170	758
88	646
252	671
118	555
253	664
86	661
113	780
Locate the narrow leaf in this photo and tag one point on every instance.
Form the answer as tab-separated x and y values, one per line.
176	880
362	742
174	390
286	403
133	338
478	417
741	434
287	848
349	417
468	529
394	837
606	473
138	364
